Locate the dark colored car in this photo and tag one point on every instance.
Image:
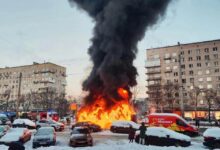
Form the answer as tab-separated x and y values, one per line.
123	126
80	136
4	120
92	127
161	136
212	138
45	136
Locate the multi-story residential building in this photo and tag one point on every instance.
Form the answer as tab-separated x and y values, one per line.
36	78
187	65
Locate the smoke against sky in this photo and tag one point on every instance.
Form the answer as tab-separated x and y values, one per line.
119	26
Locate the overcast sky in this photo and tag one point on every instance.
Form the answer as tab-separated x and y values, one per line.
51	30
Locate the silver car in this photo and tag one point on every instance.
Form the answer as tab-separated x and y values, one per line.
50	123
45	136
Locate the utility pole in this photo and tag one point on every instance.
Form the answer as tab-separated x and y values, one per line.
19	94
180	82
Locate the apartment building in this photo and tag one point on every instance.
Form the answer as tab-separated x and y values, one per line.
188	65
21	80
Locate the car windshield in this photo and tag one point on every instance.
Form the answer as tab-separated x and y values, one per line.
1	129
80	131
44	132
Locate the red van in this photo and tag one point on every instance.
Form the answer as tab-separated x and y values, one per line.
173	122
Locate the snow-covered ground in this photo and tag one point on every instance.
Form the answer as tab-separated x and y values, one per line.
107	140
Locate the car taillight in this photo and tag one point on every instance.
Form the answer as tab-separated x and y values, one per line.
208	138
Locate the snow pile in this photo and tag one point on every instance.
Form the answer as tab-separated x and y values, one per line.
13	135
24	121
125	123
212	132
163	132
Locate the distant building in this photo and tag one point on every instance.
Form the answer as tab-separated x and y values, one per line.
35	78
189	65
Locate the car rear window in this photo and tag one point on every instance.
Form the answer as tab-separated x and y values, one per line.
44	131
80	131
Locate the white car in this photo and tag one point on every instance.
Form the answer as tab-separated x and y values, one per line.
123	126
25	123
16	134
212	137
50	123
161	136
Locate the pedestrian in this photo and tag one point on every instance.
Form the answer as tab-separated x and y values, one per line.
18	145
143	130
131	134
197	122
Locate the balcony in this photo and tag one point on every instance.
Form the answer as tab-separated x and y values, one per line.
153	78
44	81
152	63
158	71
44	71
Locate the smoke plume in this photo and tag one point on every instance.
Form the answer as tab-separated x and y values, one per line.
119	25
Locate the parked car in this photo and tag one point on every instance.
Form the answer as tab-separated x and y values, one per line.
81	136
24	123
50	123
4	120
14	134
212	138
174	122
161	136
45	136
3	130
122	126
93	127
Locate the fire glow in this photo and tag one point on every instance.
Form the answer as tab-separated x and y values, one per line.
100	114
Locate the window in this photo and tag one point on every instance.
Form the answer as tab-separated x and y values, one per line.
190	58
175	73
199	72
175	67
215	56
168	68
183	73
209	79
199	65
201	101
174	54
207	64
201	86
200	79
183	80
207	57
198	57
215	48
167	61
180	123
218	78
176	80
216	63
190	65
216	70
182	53
167	55
191	72
191	80
209	86
207	72
183	66
206	50
189	51
198	51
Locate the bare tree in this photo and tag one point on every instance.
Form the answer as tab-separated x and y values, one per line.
211	98
170	93
194	94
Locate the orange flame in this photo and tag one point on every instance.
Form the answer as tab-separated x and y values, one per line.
100	114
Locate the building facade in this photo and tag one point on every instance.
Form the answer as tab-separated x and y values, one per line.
36	78
186	65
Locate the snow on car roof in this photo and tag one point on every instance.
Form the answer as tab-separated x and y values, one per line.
13	135
125	123
163	132
212	132
26	121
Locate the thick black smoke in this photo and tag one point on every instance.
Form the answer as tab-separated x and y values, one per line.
119	25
